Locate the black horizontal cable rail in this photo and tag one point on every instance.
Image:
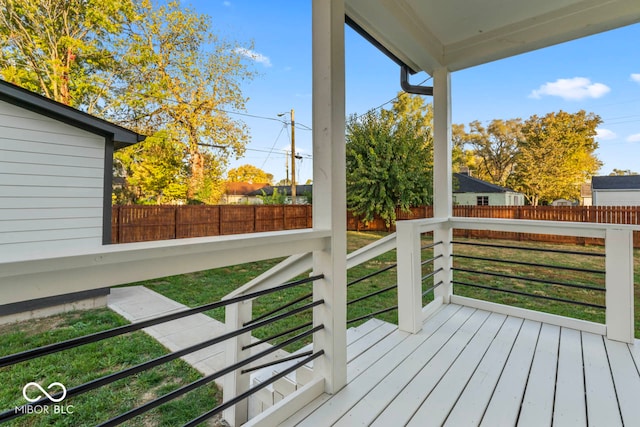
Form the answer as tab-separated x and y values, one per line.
278	335
433	273
531	264
277	309
511	291
277	362
426	261
99	336
370	275
370	315
379	291
531	279
524	248
108	379
431	245
218	409
205	380
432	288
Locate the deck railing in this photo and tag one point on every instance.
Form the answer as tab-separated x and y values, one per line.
618	272
111	266
238	382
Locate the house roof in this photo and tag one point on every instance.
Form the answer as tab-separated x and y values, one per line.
47	107
618	182
286	189
469	184
243	188
456	34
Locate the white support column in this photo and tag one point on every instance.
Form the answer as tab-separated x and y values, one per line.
442	179
442	169
236	383
329	190
619	284
409	276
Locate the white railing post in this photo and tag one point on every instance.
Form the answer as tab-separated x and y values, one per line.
443	233
235	383
409	276
619	284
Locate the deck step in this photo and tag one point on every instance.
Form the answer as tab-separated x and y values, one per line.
359	340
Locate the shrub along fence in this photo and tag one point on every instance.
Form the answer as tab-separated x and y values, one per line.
134	223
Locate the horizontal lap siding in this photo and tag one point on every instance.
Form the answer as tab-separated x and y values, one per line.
51	185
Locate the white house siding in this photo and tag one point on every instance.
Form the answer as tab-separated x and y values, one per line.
616	197
51	185
495	199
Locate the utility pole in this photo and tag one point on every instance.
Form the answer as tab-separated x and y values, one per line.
293	158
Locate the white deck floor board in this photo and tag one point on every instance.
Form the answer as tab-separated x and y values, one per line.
627	386
469	367
433	368
570	406
505	403
435	409
472	404
379	396
602	405
358	388
537	405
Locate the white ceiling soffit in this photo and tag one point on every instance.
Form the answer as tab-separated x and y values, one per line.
457	34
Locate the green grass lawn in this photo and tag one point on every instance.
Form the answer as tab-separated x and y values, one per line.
77	366
206	286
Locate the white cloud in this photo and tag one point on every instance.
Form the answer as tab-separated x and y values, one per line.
605	134
571	89
635	77
254	56
634	138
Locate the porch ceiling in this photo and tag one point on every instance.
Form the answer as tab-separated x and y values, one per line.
457	34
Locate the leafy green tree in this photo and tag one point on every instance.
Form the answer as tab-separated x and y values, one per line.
495	148
249	173
389	156
622	172
275	198
556	155
154	171
152	67
180	77
62	49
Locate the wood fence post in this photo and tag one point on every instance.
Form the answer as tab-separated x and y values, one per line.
175	221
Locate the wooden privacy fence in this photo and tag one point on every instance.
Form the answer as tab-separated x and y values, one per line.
134	223
596	214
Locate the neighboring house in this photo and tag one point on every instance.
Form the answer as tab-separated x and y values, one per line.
242	193
564	202
586	197
301	192
55	178
470	191
619	190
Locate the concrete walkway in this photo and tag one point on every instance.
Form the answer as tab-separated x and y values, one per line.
137	303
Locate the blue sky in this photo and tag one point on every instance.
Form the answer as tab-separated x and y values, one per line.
600	74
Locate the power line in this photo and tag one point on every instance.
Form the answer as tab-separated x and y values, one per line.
391	100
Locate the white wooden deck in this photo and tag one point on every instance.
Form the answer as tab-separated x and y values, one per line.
471	367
